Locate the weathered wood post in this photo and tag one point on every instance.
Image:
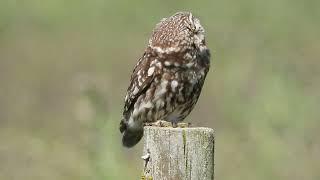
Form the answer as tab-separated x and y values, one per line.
178	153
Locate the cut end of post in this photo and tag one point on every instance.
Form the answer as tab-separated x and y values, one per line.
179	153
206	129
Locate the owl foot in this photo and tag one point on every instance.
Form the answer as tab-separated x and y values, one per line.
181	125
162	123
159	123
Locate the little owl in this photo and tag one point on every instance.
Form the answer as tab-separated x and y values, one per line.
167	80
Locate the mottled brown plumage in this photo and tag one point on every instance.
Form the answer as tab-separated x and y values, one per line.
168	78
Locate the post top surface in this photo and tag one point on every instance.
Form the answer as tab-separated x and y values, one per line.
177	129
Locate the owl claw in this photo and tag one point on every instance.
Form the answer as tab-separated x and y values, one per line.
174	124
162	123
159	123
181	125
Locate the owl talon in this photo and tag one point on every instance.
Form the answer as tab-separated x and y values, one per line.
162	123
184	125
181	125
159	123
174	124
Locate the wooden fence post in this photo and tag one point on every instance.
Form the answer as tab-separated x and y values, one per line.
178	153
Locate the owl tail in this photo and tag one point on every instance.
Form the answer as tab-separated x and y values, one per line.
130	137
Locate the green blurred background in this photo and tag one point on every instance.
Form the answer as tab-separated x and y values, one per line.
65	67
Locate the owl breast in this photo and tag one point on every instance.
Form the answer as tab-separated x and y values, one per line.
174	92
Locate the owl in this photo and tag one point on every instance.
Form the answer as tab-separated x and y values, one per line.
167	80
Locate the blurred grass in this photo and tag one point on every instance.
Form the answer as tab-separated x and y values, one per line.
65	65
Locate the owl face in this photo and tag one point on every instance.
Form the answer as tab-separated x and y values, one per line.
178	33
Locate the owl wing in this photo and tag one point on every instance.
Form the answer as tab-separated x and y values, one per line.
141	79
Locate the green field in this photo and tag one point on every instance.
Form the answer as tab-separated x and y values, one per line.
65	67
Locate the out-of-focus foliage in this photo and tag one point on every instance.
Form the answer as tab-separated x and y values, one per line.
65	66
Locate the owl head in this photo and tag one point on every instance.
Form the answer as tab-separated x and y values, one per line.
178	33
